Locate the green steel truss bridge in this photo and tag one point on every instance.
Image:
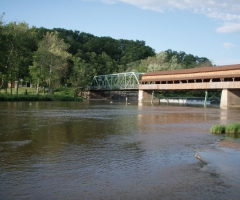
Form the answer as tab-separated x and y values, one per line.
120	81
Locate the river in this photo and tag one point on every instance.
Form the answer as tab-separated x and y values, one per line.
113	150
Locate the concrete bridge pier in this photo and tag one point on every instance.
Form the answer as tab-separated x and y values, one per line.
230	98
147	96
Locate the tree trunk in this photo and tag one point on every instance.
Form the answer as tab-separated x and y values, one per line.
17	88
11	83
37	90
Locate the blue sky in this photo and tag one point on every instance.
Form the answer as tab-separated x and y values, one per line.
204	28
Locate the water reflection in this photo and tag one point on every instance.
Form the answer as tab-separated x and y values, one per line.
92	150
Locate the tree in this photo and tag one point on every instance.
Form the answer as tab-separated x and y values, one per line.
159	63
50	61
18	41
82	73
134	50
2	51
187	60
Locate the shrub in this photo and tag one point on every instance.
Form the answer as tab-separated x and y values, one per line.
65	98
35	97
68	91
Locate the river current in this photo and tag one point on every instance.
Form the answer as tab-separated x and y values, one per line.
104	150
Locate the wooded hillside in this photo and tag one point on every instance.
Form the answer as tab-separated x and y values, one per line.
51	58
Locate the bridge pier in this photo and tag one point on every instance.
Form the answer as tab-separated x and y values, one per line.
147	96
230	98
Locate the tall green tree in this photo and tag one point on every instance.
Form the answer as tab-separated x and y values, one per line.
82	73
17	54
187	60
50	62
2	51
160	62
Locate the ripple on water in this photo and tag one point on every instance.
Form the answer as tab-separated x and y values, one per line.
223	161
84	151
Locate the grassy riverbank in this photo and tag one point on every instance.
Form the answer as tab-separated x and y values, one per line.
231	129
29	94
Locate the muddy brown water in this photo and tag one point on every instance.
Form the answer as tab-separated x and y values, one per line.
103	150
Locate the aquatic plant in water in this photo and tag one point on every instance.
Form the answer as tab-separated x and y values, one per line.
218	129
231	129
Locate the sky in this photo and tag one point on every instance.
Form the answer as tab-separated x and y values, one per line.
204	28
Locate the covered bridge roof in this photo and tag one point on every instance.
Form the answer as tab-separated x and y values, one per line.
194	73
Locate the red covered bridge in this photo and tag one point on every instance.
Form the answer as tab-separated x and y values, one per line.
225	78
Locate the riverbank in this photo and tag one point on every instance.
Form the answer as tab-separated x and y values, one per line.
29	94
21	97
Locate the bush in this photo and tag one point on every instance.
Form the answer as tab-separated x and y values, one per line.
8	97
218	129
65	98
67	91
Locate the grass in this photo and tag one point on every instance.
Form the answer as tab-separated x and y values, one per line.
29	94
21	97
231	129
21	90
218	129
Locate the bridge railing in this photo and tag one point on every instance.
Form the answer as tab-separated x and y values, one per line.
116	87
120	81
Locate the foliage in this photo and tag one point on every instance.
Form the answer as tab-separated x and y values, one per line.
65	91
93	55
160	63
172	60
188	60
54	57
18	41
22	97
50	61
56	97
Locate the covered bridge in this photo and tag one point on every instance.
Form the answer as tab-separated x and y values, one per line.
225	78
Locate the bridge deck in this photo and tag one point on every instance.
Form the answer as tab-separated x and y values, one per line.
192	86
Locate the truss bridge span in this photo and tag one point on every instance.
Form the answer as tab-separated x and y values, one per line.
119	86
119	81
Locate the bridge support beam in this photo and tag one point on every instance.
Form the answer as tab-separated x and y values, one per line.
230	98
147	96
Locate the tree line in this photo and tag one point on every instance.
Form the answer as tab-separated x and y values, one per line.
51	58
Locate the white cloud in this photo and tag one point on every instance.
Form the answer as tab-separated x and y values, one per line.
229	28
228	45
210	7
223	16
224	10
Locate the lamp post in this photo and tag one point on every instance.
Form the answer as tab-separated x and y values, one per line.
21	80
